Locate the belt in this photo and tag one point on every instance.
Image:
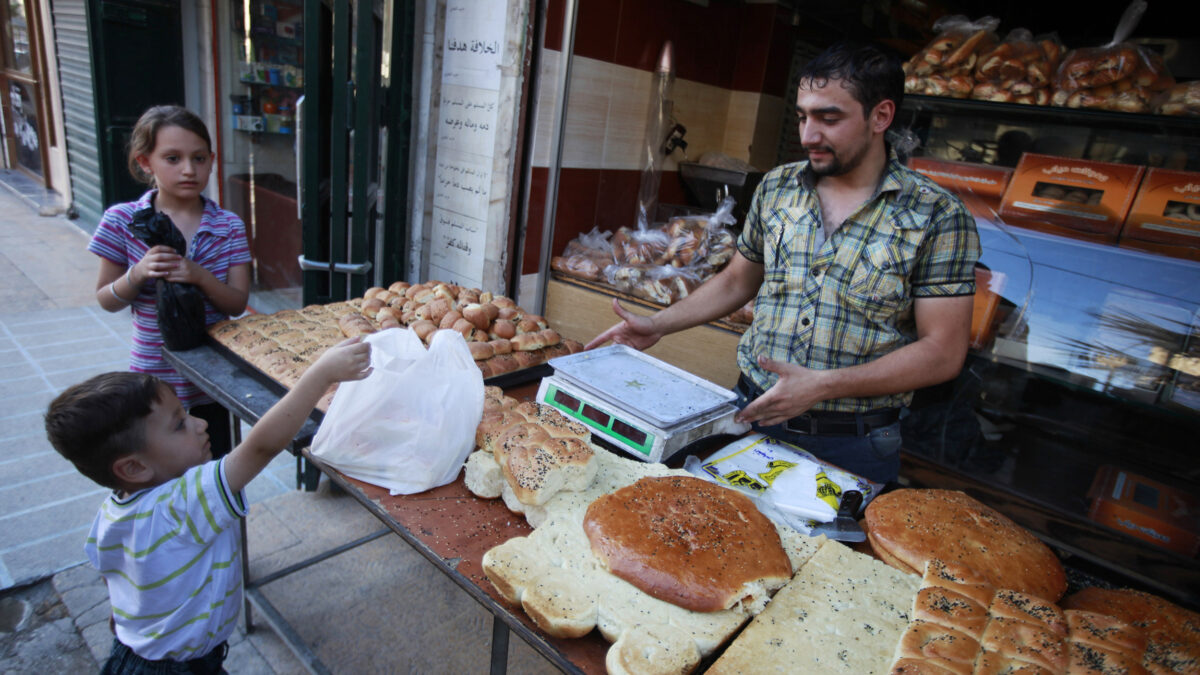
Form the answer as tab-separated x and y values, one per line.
830	423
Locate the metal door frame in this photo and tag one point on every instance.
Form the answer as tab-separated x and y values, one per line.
352	191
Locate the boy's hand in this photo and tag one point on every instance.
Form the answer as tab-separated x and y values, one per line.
348	360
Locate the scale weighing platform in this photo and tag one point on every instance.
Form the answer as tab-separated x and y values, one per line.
648	408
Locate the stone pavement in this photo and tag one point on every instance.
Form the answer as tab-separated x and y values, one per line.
380	607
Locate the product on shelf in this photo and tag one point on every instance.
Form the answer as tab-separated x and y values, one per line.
1018	70
946	66
1074	193
661	264
1122	77
1181	99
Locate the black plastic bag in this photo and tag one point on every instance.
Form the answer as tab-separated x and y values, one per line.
180	306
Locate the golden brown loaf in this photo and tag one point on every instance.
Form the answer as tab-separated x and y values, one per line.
687	541
914	526
1172	632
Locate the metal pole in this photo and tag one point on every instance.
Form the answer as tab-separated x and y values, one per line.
556	150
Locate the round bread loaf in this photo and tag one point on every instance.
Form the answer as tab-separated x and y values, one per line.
1172	632
914	526
687	541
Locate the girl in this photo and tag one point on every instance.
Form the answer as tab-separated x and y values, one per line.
171	151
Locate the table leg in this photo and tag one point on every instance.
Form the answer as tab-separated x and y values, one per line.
499	646
235	428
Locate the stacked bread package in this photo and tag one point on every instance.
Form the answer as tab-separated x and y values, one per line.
1018	70
946	66
1122	77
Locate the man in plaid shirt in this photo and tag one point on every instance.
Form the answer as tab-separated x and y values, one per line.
861	270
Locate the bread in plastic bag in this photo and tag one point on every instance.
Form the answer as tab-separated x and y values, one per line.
179	307
1018	70
1118	76
1181	99
946	65
410	424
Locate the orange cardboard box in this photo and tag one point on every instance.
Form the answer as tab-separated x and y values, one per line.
1146	509
965	178
1166	208
1075	193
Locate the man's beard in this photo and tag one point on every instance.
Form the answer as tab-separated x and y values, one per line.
836	167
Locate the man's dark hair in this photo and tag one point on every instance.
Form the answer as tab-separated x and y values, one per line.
96	422
871	74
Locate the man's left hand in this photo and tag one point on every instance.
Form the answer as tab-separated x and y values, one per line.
797	390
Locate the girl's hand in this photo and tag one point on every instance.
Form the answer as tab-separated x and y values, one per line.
157	263
187	271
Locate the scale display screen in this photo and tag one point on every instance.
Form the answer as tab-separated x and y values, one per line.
602	421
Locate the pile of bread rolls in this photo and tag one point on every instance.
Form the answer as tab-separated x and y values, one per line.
945	67
1018	70
497	331
1181	99
1124	78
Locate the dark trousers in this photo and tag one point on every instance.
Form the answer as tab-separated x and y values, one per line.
122	661
218	427
874	454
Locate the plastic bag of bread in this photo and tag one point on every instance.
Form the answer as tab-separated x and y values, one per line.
1020	69
1118	76
663	284
585	256
945	67
410	424
639	246
1181	99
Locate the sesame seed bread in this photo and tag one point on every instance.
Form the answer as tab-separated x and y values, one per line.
914	526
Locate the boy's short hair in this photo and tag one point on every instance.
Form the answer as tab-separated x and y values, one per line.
96	422
871	74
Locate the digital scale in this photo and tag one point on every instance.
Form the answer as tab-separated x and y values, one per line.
644	406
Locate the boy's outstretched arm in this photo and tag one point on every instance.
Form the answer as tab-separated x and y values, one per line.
349	360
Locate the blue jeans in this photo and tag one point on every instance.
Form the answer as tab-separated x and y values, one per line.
874	455
122	661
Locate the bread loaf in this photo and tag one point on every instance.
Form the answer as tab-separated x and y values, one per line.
915	526
1172	632
689	542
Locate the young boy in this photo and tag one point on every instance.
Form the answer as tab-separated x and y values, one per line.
166	540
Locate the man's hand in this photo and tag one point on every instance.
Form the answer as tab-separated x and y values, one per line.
634	331
797	390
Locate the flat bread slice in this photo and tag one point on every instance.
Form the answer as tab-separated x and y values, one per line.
843	612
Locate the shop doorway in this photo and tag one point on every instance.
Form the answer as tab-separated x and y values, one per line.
354	133
22	100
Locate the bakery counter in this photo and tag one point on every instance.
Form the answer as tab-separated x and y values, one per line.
447	525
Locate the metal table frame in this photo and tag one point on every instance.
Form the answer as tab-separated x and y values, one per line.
248	397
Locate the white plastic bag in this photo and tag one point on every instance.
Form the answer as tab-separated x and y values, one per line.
410	425
788	483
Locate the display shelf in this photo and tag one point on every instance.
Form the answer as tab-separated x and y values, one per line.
1043	114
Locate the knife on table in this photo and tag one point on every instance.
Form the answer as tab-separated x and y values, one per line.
844	527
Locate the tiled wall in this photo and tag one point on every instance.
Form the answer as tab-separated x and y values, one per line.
731	65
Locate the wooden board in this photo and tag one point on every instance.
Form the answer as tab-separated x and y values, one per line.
580	313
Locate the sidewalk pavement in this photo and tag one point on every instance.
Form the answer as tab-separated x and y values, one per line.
380	607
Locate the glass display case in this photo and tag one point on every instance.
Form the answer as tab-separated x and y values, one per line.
1078	410
263	64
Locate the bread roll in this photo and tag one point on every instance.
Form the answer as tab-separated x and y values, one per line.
1027	642
931	641
687	541
550	337
476	314
452	317
353	325
504	329
1010	604
508	313
416	289
528	342
423	328
370	292
501	346
399	287
464	327
952	610
480	350
958	579
371	306
527	325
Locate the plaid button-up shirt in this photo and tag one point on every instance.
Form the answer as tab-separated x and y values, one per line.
848	300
